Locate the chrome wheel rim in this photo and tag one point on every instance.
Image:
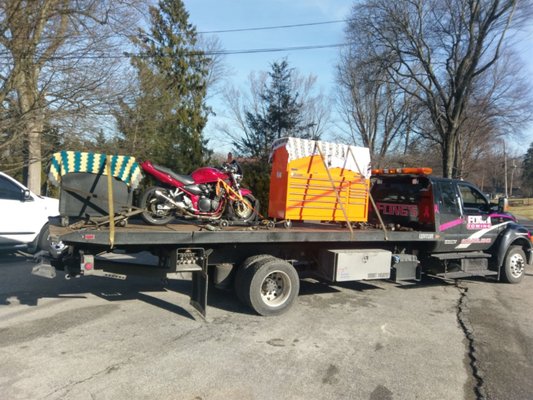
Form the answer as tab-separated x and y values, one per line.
276	288
516	265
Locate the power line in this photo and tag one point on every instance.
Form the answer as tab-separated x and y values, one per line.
227	52
264	28
199	52
222	52
289	26
277	49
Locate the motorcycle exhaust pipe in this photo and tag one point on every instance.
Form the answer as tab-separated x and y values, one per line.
180	205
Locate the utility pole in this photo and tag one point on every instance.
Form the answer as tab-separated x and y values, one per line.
512	177
505	169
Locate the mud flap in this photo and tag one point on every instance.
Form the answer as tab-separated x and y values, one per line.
199	291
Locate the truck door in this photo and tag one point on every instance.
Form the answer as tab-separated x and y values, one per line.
479	231
448	216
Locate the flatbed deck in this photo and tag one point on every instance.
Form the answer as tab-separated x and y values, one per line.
138	233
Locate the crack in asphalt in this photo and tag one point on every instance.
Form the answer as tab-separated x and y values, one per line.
463	312
68	387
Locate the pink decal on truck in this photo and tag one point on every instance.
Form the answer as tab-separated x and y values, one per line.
451	224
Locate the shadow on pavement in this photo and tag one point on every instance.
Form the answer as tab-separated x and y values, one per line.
18	285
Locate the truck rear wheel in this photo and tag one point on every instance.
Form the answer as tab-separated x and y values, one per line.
239	278
513	268
270	286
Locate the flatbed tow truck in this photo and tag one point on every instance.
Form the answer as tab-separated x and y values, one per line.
417	224
337	224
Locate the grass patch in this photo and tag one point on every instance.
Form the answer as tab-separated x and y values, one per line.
521	207
522	211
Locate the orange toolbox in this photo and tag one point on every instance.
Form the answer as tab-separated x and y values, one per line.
319	181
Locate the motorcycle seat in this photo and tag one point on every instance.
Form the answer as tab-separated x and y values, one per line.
185	179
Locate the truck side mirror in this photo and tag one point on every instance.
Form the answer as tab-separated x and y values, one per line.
503	204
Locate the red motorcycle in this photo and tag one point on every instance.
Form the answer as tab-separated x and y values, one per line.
207	194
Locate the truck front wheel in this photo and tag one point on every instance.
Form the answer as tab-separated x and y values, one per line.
270	286
514	265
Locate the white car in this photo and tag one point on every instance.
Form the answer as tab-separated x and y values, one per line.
24	216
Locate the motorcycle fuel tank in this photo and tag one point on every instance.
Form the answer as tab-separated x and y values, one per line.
207	175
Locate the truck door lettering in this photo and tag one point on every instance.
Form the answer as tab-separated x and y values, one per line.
476	236
476	222
475	240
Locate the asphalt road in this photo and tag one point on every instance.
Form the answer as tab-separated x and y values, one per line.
96	338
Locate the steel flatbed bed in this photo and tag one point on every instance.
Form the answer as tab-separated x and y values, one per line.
140	234
215	252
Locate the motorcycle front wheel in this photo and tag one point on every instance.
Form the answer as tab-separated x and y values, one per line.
243	211
157	211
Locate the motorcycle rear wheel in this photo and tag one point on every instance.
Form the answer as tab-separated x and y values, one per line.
151	214
243	211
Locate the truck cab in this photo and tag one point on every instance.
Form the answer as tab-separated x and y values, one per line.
456	212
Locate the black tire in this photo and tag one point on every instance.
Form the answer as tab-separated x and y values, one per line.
236	210
152	216
42	242
239	277
270	286
513	268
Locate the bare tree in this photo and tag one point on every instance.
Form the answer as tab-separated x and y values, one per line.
499	106
315	115
59	61
236	102
378	114
434	51
316	112
218	69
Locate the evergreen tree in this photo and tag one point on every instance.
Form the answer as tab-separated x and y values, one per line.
166	120
527	171
281	114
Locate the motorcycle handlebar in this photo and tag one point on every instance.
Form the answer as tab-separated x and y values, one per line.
231	167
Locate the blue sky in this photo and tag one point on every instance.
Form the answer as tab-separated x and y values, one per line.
209	15
215	15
